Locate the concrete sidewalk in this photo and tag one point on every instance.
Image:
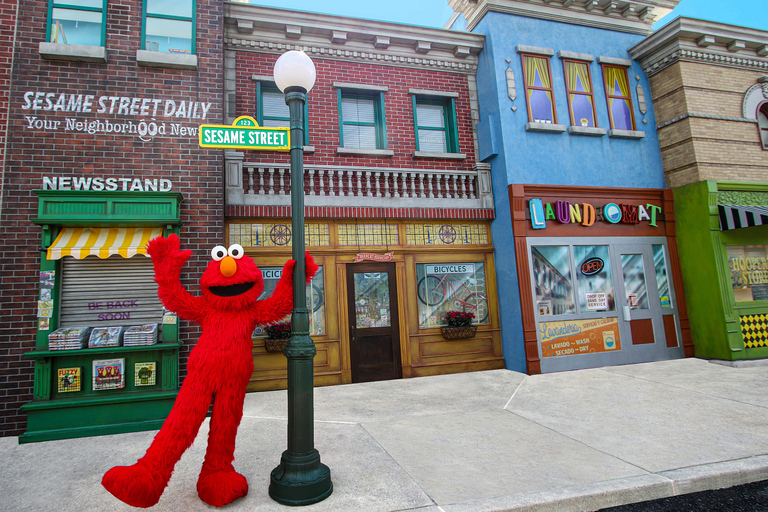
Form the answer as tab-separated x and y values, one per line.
485	441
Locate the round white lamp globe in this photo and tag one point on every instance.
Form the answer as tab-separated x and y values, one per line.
294	68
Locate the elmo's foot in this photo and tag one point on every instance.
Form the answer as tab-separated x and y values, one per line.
135	485
221	488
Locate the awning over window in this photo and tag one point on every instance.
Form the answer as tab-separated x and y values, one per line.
102	242
735	217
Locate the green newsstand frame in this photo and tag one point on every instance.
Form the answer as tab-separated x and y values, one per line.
52	415
712	309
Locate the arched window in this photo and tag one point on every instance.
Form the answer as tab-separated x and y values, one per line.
762	122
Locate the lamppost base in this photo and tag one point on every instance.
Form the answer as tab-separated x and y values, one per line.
300	480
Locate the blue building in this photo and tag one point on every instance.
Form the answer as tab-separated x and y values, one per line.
587	265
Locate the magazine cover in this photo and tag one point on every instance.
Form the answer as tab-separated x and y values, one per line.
68	380
108	374
105	337
146	374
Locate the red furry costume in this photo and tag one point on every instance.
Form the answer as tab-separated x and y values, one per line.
219	367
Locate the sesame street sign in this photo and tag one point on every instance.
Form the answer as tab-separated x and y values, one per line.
245	133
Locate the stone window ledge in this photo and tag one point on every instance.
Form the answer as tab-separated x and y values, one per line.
365	152
587	130
72	52
446	156
166	60
626	134
545	127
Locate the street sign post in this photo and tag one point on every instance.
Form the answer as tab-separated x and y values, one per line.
245	133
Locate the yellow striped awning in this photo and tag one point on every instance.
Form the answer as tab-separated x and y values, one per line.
102	242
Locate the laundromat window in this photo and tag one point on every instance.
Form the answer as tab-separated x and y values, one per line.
593	276
662	281
749	272
315	298
552	280
444	287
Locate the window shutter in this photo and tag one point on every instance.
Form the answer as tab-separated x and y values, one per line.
114	291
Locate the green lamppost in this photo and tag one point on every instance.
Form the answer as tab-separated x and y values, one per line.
300	479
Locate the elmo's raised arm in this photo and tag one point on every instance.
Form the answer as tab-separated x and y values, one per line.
275	307
167	258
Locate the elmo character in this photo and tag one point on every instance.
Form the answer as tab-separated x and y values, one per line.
219	368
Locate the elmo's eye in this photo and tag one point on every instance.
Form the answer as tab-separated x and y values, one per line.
236	251
218	253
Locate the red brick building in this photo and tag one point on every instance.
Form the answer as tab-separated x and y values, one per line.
104	109
398	207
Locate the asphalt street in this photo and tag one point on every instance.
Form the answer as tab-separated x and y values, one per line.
741	498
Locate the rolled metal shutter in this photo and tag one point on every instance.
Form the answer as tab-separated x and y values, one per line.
113	291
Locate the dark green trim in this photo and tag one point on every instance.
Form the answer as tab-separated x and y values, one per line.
103	12
88	208
449	115
100	430
97	351
92	400
379	112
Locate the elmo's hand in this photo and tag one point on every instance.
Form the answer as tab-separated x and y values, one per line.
166	253
310	267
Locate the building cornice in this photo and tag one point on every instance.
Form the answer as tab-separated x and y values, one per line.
693	40
631	16
271	30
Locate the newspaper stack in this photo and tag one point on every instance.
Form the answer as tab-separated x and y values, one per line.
140	335
68	338
105	337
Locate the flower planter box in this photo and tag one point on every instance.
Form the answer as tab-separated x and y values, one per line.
457	333
275	345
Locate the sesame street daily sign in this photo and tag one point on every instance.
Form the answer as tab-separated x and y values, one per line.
245	133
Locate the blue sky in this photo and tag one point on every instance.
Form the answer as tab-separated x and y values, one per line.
434	13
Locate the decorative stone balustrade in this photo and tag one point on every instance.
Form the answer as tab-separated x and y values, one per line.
270	184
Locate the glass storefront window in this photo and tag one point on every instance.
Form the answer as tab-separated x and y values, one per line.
634	281
315	298
749	272
593	278
662	282
552	280
372	307
444	287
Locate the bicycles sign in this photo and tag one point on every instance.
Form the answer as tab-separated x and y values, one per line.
451	268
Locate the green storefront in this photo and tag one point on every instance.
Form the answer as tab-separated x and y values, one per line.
95	277
722	233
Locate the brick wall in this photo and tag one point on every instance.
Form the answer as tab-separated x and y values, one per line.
324	114
8	12
701	147
41	147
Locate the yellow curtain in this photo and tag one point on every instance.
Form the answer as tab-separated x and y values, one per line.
537	64
615	75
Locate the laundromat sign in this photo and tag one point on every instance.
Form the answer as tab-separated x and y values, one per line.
586	214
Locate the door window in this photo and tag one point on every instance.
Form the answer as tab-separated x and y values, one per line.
634	281
662	283
372	307
552	280
593	278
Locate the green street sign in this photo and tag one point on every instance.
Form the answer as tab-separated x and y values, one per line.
245	133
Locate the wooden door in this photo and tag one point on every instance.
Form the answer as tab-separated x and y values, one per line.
373	322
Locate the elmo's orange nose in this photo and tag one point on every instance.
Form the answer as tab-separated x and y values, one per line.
228	266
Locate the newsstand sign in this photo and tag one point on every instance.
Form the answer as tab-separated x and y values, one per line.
245	133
